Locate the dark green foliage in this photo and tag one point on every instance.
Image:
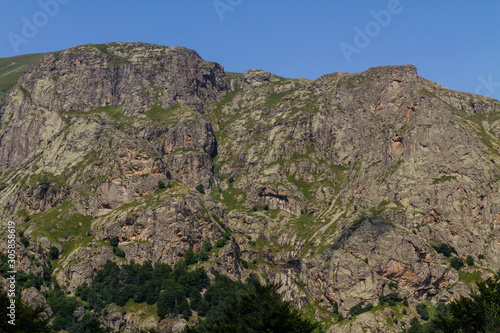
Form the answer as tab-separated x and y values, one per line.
53	253
456	263
185	309
23	280
144	283
114	241
27	319
358	309
259	310
116	250
244	263
190	257
393	285
200	188
442	309
231	179
207	246
266	207
26	281
63	308
119	252
444	249
480	312
480	256
170	300
422	311
221	242
170	290
415	326
469	260
203	256
340	317
254	208
335	309
23	239
161	184
390	299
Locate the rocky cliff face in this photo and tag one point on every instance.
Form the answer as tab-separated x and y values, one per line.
337	187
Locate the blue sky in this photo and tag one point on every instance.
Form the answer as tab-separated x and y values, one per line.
453	42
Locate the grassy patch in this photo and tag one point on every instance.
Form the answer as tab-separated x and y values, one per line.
144	309
12	68
392	169
234	75
229	197
443	179
470	277
62	226
273	99
25	92
157	112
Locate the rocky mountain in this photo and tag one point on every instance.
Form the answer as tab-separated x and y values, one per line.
343	189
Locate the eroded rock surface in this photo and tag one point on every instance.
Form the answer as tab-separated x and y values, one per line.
337	188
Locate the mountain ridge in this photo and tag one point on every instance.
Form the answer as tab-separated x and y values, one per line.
334	187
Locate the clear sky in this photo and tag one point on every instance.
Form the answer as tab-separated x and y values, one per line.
453	42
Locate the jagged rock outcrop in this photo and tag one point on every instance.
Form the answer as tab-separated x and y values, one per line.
84	78
33	298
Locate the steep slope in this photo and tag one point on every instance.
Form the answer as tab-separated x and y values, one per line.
340	188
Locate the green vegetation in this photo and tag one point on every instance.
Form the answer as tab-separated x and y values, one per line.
359	308
177	291
443	179
456	262
23	239
64	307
273	99
54	253
260	308
470	277
12	68
479	312
61	225
116	250
422	311
444	249
159	113
390	299
200	188
25	92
